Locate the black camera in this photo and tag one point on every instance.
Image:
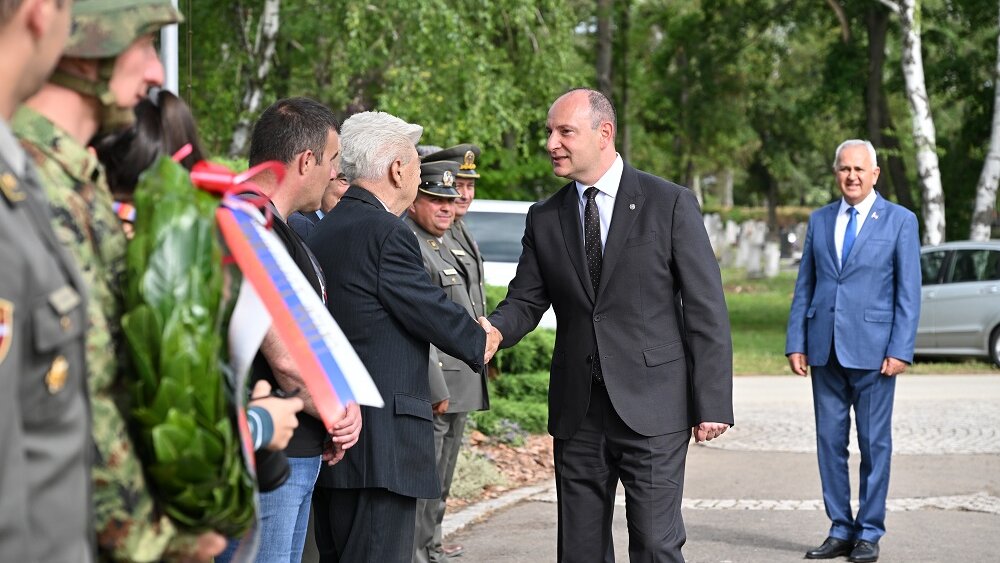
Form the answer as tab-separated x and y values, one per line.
272	469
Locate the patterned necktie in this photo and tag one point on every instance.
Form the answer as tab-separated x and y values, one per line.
849	235
592	237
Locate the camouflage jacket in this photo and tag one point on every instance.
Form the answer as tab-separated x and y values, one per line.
129	528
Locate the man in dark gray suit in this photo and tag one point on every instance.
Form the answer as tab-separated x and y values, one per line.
643	356
390	311
45	498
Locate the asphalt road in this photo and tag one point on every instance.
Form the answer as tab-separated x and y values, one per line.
754	495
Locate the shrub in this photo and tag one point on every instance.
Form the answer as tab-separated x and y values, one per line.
531	417
532	353
473	473
530	387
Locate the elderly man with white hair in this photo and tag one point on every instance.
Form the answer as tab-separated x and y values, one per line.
380	295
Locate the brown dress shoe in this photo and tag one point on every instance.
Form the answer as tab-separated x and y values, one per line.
452	549
832	547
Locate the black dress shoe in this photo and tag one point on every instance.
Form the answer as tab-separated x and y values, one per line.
832	547
864	552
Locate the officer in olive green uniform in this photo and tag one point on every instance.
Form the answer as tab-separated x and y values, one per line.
430	217
464	247
128	525
44	419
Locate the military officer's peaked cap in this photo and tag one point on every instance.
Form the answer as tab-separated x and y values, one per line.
438	178
465	155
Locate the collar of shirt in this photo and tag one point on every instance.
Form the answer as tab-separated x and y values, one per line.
607	187
864	208
56	144
11	150
320	214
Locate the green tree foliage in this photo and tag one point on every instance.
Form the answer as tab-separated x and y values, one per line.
763	88
467	71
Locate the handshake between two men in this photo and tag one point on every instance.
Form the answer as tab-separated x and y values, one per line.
493	339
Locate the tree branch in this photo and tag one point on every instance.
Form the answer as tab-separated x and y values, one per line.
845	26
893	6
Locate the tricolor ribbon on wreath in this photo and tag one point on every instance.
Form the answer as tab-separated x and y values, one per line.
327	363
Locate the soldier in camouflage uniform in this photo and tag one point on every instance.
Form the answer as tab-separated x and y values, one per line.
107	67
44	419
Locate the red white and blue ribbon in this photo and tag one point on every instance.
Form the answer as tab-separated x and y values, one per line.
327	363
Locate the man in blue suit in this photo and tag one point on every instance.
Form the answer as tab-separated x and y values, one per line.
854	319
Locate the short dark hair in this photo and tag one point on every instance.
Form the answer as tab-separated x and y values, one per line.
601	108
289	127
163	124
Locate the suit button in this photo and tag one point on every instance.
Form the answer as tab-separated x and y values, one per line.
590	359
597	318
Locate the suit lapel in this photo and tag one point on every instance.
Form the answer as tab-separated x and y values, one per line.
831	231
628	205
569	219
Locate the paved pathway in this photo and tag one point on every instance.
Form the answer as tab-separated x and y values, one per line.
754	494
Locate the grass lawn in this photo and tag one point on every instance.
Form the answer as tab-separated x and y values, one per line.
758	311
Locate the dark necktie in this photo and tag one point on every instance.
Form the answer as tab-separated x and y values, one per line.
592	244
849	235
592	237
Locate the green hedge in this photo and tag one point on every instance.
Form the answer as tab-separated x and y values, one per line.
508	420
531	387
532	353
518	405
519	396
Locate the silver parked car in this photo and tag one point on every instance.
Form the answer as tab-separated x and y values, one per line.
498	226
960	300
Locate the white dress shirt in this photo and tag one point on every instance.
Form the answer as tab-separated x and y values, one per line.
607	188
840	227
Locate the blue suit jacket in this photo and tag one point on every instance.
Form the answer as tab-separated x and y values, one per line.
870	308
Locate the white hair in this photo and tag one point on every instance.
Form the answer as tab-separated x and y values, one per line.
852	143
372	141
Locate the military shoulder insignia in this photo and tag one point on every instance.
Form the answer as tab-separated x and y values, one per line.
6	327
8	186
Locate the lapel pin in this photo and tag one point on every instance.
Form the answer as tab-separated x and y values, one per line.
875	215
631	206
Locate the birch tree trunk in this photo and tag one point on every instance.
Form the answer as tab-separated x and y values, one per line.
986	189
923	123
727	189
262	56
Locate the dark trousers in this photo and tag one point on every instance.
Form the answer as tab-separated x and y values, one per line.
588	467
449	429
363	525
836	390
